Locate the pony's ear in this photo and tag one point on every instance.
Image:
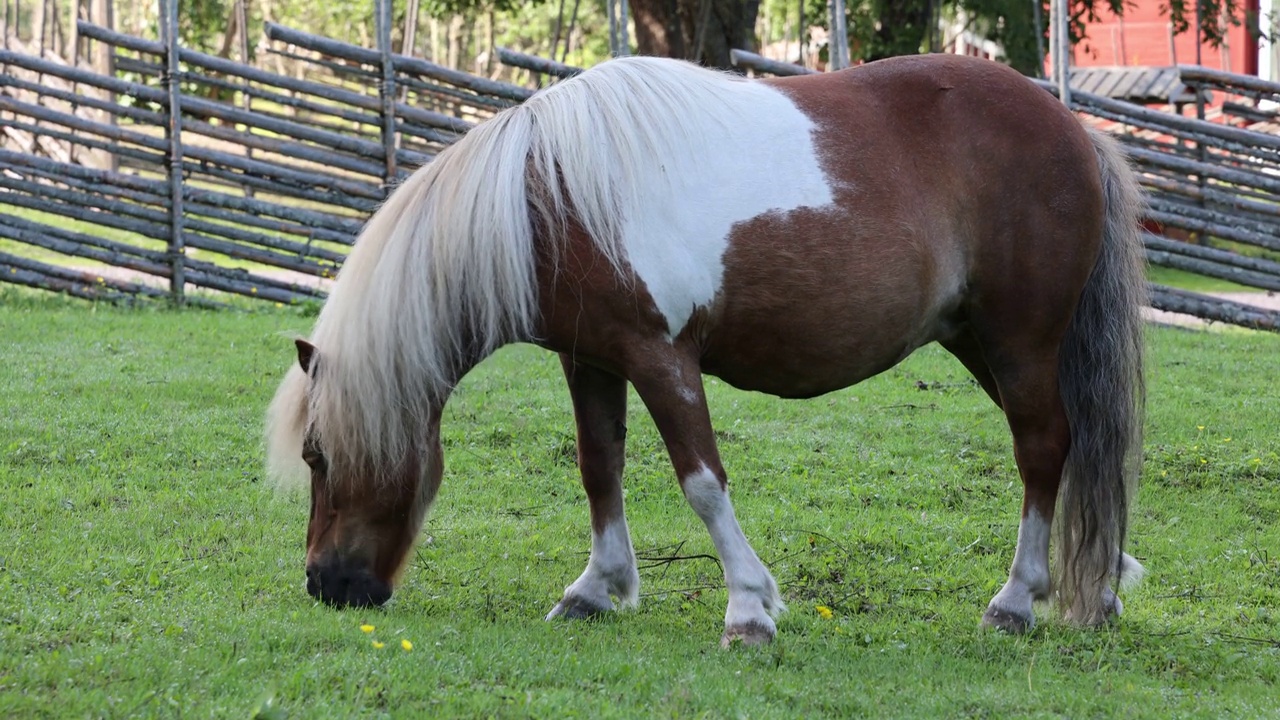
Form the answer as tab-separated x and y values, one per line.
306	354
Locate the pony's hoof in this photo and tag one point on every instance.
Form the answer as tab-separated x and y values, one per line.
751	633
1005	621
1111	604
577	608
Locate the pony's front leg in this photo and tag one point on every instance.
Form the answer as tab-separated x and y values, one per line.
671	387
600	409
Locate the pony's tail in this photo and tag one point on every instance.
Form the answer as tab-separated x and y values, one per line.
1101	377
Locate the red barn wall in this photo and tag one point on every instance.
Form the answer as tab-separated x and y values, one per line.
1141	37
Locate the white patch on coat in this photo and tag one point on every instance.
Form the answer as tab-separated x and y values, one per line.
611	571
1029	574
756	155
753	594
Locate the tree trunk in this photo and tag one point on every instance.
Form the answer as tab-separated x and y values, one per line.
455	41
37	25
700	30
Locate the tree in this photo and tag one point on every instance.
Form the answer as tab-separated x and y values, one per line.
700	30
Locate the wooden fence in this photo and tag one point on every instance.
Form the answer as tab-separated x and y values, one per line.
226	177
217	175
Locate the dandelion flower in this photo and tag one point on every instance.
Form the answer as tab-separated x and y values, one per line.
1199	427
366	628
823	611
378	646
406	645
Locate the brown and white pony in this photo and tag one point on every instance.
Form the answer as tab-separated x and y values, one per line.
652	221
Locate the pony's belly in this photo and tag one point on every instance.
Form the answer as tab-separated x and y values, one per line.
798	359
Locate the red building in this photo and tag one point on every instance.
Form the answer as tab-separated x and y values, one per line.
1144	37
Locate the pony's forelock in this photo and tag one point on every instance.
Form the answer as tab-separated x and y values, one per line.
286	426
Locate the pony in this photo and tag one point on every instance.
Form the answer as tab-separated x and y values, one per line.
652	221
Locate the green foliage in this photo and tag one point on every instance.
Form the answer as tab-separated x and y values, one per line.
201	23
147	569
445	8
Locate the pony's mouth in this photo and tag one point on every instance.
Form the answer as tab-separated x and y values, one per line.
341	588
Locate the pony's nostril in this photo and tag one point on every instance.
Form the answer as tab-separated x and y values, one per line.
313	583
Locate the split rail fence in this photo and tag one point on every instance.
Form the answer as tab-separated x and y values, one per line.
211	174
204	173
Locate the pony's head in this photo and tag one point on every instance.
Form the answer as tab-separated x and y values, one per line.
366	508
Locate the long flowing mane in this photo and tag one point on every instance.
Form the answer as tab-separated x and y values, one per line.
444	272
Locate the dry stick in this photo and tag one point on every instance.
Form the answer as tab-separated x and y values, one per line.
537	64
45	281
1211	308
154	263
205	108
158	231
1245	262
341	190
158	215
400	62
1228	199
1266	226
1213	269
248	73
111	252
752	61
387	94
116	207
87	279
173	136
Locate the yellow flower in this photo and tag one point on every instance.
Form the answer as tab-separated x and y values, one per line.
366	628
1199	427
406	645
823	611
1257	460
378	646
1226	439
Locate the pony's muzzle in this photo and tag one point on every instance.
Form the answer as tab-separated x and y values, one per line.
343	587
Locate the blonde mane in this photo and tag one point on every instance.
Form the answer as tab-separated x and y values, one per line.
444	271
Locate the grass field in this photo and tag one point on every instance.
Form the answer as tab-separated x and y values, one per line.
146	568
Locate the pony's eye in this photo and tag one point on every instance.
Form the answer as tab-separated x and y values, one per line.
315	460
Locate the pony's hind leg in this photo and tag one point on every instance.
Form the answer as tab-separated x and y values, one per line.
600	410
1026	387
670	384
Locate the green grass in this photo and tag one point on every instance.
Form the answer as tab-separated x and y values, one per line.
146	568
1195	283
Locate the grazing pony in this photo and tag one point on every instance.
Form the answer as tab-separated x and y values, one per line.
652	221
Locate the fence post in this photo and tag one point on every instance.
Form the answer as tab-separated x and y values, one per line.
388	92
242	24
173	134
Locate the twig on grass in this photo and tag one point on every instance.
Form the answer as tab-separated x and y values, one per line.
1244	638
814	533
655	557
683	591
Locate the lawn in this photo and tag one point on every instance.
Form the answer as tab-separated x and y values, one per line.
148	569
